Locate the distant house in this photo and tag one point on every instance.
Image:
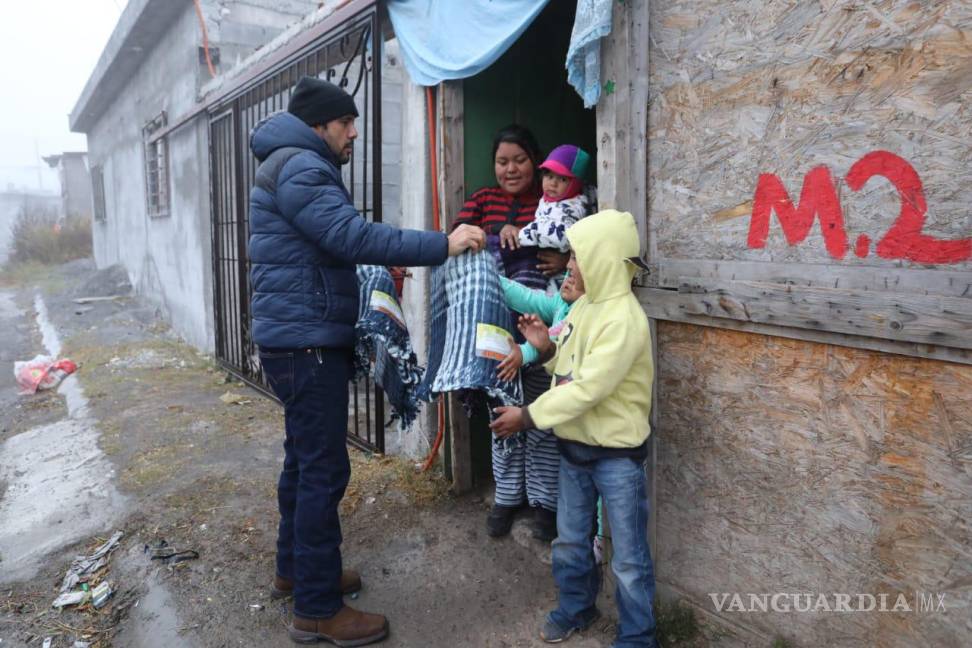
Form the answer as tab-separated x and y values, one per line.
72	171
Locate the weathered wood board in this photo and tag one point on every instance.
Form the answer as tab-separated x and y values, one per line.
927	319
795	467
857	112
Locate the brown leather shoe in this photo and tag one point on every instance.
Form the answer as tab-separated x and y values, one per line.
349	627
283	587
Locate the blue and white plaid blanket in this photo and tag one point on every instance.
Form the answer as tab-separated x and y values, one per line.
383	349
469	331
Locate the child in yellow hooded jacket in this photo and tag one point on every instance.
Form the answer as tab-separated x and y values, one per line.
598	407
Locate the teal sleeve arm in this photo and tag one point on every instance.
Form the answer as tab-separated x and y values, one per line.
529	353
527	300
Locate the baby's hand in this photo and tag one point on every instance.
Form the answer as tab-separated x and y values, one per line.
535	331
510	237
506	370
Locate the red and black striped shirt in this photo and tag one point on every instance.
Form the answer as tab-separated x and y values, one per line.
491	208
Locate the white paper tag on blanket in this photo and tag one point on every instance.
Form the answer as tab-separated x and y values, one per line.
493	342
385	303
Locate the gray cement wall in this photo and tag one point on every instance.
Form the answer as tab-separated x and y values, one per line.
415	212
75	186
167	259
392	74
237	27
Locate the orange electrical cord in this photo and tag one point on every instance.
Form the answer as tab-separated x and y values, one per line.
438	437
434	157
437	226
205	35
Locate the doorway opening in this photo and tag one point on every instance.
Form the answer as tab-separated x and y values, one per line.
528	86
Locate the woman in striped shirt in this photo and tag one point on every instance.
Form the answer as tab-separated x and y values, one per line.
527	472
504	209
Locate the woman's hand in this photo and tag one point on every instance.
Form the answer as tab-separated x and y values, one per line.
510	237
536	332
506	370
508	423
552	262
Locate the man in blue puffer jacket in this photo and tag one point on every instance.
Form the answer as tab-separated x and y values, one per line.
305	240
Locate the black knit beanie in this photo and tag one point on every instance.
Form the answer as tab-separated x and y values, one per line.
318	102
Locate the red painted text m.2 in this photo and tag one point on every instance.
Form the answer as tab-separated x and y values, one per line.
818	197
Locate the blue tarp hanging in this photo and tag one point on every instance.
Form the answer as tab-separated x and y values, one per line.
455	39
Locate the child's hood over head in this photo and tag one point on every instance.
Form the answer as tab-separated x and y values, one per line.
607	247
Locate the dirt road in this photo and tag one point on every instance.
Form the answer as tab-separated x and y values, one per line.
140	441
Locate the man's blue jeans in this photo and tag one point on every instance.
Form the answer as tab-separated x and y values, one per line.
621	483
312	384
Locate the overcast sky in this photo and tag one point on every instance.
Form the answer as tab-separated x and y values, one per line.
48	49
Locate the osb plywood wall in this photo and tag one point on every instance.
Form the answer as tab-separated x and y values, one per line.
742	88
797	467
810	171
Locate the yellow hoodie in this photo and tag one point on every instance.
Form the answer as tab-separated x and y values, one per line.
603	369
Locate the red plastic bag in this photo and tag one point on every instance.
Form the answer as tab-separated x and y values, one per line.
43	372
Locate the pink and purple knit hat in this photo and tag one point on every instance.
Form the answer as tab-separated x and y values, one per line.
567	160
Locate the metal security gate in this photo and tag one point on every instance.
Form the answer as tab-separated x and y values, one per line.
347	54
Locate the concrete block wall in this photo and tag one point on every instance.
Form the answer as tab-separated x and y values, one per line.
238	27
168	259
75	186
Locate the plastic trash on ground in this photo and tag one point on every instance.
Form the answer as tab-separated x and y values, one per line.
165	553
234	399
43	372
83	568
79	597
101	594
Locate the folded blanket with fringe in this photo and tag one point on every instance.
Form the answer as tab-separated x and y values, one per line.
383	349
469	331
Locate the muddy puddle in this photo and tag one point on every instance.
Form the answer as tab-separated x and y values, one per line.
59	484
